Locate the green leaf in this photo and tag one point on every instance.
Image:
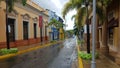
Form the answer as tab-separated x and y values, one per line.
8	51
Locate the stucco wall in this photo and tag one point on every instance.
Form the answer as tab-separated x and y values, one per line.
114	7
115	37
20	11
2	26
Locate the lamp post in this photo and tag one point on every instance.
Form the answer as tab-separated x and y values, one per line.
93	63
7	30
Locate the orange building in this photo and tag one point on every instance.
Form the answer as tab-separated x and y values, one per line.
23	24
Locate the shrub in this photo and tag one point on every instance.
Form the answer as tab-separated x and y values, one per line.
8	51
87	56
52	41
80	42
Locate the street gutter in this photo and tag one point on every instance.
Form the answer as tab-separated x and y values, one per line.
80	63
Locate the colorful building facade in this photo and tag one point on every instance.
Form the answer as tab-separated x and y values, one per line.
23	24
54	33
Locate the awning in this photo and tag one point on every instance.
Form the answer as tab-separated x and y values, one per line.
100	27
113	23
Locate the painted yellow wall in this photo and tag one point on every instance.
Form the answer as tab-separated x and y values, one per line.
38	30
119	30
19	20
115	37
2	26
116	29
20	31
2	23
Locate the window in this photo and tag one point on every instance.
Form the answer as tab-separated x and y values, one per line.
35	30
45	30
12	29
25	30
110	15
111	36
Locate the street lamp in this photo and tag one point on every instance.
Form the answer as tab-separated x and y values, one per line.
86	3
93	63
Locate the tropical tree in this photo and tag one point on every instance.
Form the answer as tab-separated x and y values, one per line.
76	31
76	27
56	24
76	4
10	3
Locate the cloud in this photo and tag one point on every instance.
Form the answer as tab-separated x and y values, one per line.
57	6
70	22
57	3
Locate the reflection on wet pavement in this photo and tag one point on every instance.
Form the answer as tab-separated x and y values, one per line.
66	56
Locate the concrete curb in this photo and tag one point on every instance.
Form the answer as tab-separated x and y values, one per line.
80	63
27	50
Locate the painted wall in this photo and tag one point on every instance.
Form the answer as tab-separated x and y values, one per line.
22	13
114	7
2	23
54	31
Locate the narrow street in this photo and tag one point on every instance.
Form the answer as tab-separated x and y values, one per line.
62	55
66	56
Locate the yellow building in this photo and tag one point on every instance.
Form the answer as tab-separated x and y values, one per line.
23	24
61	34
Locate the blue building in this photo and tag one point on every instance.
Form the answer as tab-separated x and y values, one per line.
54	34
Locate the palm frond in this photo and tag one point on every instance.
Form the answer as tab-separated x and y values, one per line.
80	15
100	13
10	4
56	23
68	6
73	17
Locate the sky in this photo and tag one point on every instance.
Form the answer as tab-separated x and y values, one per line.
57	6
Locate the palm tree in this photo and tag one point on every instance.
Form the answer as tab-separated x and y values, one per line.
10	3
76	30
56	24
76	4
9	8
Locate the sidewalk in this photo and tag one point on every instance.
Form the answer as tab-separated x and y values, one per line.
21	48
101	62
28	48
32	56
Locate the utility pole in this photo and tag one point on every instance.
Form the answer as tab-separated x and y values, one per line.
7	30
87	24
93	63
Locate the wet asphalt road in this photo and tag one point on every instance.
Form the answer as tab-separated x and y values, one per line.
66	56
